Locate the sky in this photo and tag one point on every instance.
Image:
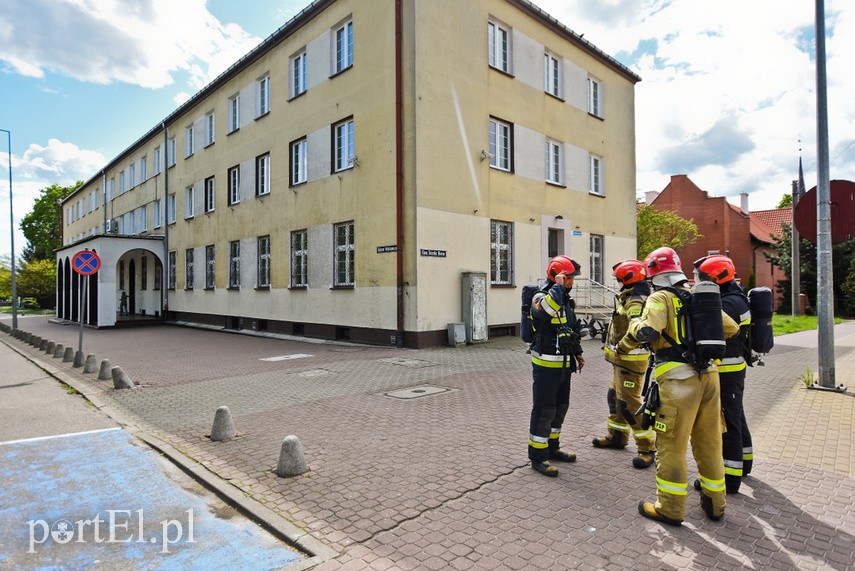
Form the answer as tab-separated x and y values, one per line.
727	97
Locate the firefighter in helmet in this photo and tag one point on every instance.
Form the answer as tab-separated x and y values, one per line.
736	441
555	354
624	394
689	398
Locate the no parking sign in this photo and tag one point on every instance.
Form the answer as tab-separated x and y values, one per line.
86	262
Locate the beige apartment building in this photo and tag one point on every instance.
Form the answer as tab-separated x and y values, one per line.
372	171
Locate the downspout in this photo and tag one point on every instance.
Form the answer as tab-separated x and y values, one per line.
399	171
164	283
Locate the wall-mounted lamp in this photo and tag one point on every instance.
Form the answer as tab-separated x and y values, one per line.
485	155
531	219
353	160
559	217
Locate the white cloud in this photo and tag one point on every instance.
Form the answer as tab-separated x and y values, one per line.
728	88
59	163
144	42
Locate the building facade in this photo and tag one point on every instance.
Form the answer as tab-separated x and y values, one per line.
348	176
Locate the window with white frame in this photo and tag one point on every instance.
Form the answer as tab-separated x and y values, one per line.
234	185
343	57
111	189
156	165
554	162
596	170
595	97
132	176
299	258
189	280
209	194
234	113
501	252
597	256
343	147
501	143
143	170
498	46
263	262
189	202
345	263
209	129
158	274
234	264
299	161
140	222
156	213
123	181
189	141
298	74
170	152
263	96
210	267
552	76
262	175
89	203
170	270
170	209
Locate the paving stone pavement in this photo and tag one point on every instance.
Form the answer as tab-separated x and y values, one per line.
442	481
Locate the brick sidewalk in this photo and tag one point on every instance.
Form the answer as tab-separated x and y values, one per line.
442	481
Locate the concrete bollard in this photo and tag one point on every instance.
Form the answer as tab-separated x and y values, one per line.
120	379
223	428
51	347
35	341
291	459
78	359
105	372
58	351
68	356
89	366
43	345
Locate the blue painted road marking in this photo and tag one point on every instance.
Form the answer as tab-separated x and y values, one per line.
96	498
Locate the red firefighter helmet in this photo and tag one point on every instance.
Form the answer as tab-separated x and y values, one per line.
629	272
562	264
662	260
715	268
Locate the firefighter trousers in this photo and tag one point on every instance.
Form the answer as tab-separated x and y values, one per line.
624	399
736	441
551	399
690	408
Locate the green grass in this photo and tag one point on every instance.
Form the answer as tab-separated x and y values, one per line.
783	324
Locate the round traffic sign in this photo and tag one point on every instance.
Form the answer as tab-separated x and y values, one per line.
86	262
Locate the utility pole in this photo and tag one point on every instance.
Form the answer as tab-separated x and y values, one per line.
825	295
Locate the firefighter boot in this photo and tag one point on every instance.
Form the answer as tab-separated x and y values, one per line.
706	504
644	459
613	440
648	510
562	456
545	468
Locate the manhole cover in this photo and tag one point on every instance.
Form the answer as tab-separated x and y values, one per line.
411	363
416	392
285	357
314	373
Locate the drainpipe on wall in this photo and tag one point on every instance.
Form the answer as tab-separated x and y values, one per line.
164	283
399	170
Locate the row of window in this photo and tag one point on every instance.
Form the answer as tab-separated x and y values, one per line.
502	252
501	154
344	261
500	57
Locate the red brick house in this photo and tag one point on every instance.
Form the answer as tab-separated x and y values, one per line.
726	229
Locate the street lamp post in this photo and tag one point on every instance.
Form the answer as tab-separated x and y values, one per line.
12	235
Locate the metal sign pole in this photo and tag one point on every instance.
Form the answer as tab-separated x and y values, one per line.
83	296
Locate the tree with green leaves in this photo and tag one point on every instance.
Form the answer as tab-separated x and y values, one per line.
38	279
42	226
5	278
786	201
842	256
663	228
